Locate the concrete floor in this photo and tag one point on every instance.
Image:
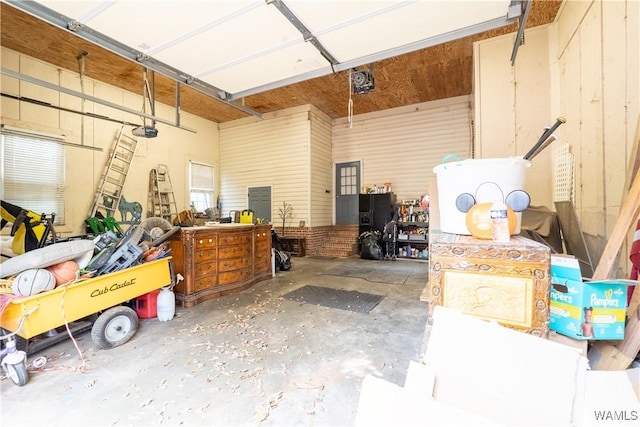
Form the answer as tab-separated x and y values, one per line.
248	359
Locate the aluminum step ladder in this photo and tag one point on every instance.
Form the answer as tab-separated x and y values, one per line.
162	202
112	182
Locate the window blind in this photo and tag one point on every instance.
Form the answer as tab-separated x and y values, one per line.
201	186
33	173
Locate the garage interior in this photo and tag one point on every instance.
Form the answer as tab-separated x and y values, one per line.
294	111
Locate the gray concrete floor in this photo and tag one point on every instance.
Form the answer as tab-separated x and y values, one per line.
248	359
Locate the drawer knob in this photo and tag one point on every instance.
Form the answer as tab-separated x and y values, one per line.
200	241
210	240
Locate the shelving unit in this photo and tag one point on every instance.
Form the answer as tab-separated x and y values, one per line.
413	231
413	240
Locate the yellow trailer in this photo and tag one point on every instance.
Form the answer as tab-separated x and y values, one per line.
104	294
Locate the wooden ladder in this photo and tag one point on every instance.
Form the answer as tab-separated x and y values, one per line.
162	201
107	197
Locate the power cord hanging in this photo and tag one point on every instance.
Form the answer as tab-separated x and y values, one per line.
83	368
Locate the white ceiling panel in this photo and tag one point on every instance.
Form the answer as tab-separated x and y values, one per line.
75	9
151	25
413	22
322	16
263	70
234	41
243	47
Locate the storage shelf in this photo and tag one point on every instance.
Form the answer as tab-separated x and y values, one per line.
418	242
411	238
413	223
412	257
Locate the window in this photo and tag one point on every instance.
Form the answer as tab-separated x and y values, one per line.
33	172
348	181
201	186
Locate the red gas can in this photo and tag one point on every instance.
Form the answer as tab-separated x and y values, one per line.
147	305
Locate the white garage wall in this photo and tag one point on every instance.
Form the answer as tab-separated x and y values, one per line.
402	145
513	105
173	147
584	67
321	169
272	151
603	104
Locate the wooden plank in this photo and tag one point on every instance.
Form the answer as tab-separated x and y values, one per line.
592	187
628	213
617	126
634	164
605	355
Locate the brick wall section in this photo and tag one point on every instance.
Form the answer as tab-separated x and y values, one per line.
330	241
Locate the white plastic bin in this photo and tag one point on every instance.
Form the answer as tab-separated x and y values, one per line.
465	176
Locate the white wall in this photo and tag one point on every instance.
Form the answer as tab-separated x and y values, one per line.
602	103
584	67
402	145
173	147
513	105
272	151
294	151
322	192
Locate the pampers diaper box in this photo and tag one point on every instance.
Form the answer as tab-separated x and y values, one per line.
593	310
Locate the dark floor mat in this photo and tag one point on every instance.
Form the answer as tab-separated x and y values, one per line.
335	298
388	272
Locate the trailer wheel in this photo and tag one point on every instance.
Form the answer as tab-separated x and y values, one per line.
18	373
114	327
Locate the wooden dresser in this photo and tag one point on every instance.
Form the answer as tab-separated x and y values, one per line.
505	282
219	260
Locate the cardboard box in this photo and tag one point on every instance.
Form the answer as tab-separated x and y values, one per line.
593	310
479	373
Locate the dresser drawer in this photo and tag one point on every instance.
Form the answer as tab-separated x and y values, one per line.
234	276
204	242
217	260
262	252
262	264
205	282
262	236
205	269
234	252
234	239
262	256
233	264
204	255
262	245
